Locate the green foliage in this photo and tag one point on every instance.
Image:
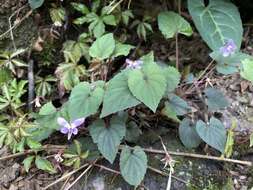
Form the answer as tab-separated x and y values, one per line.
188	134
44	164
34	4
5	75
118	97
213	133
28	162
103	47
171	23
217	22
93	81
57	15
215	99
247	69
108	136
133	165
148	85
142	27
96	22
230	139
173	78
85	99
9	59
44	85
10	95
74	157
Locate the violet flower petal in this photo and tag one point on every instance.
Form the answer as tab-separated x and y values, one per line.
64	130
77	122
62	122
75	131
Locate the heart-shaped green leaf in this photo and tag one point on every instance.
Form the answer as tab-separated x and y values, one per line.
173	78
214	133
108	138
171	23
247	69
148	84
215	99
118	96
217	22
34	4
85	99
179	105
133	165
103	47
188	134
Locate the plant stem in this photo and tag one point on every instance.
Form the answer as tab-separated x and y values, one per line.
192	155
64	177
30	151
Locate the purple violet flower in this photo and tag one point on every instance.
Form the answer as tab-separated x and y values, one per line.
70	128
133	64
229	48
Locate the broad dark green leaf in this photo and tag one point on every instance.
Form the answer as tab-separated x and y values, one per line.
179	105
217	22
121	49
117	95
108	138
103	47
169	112
188	134
148	84
85	99
247	69
34	4
215	99
214	133
171	23
133	165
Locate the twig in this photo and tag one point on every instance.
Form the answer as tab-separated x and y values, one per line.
65	183
106	168
30	77
177	53
65	176
166	175
200	76
192	155
79	177
46	147
15	25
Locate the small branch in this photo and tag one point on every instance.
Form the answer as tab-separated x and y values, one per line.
79	177
200	76
46	147
166	175
65	177
106	168
192	155
177	52
30	76
15	25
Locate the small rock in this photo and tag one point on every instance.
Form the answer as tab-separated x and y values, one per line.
99	184
9	174
234	87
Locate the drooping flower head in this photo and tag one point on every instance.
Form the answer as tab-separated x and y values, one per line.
133	64
229	48
70	128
